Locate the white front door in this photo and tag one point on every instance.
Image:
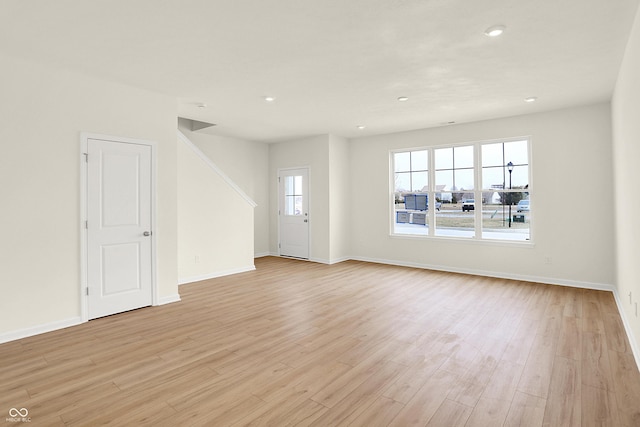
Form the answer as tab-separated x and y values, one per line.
119	245
294	212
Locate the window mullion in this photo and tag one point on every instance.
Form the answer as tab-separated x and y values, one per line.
477	174
432	194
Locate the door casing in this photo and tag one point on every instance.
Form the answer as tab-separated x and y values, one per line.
84	143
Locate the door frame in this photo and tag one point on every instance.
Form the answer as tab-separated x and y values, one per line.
279	174
84	200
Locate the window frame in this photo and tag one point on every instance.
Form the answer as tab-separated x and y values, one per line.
478	192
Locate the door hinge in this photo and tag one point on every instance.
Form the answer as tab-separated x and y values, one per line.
86	157
86	225
87	291
279	245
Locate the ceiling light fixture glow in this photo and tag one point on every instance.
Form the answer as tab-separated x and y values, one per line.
402	98
495	31
531	99
269	98
360	127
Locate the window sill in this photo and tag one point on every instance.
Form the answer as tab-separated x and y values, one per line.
528	244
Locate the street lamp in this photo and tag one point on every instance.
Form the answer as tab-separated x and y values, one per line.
510	169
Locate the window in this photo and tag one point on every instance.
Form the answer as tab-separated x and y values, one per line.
293	195
411	171
454	183
479	191
505	183
411	179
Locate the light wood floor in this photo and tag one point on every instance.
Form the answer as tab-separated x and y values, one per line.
297	343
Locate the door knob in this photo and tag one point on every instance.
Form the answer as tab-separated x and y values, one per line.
146	234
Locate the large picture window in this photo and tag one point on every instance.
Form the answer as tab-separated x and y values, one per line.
473	191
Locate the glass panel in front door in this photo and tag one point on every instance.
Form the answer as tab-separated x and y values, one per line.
293	195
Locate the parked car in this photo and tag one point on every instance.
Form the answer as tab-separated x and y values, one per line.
468	205
523	206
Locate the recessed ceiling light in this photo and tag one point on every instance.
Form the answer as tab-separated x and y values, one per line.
495	31
531	99
201	105
269	98
402	98
360	127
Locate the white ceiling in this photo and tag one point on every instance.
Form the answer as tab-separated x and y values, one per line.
333	64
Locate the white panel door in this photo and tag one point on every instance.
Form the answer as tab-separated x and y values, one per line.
119	203
294	212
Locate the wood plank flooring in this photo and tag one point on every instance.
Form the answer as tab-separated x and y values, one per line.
298	343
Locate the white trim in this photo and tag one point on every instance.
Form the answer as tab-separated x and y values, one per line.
339	260
525	244
84	197
635	349
473	272
262	254
316	260
191	279
154	223
39	329
520	277
216	169
168	299
327	261
84	145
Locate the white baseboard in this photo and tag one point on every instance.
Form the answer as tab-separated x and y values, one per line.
185	280
61	324
40	329
318	260
262	254
627	327
168	299
330	261
499	275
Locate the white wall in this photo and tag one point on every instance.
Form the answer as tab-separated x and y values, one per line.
215	223
312	152
247	164
626	152
43	111
571	165
340	211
